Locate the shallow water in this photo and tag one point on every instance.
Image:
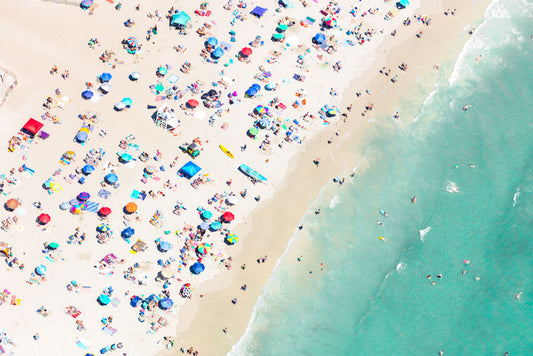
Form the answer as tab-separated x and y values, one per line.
374	298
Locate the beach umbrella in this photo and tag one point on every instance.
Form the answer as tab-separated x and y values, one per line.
135	301
40	270
105	77
228	216
203	248
74	201
87	94
53	245
283	27
204	226
43	219
217	53
212	41
231	200
104	299
332	112
127	101
76	210
87	169
132	42
104	211
231	239
103	227
192	103
246	51
206	214
215	225
197	268
82	136
125	157
260	109
131	207
105	88
159	87
64	205
185	292
278	36
319	38
111	178
135	76
164	246
269	86
12	204
83	196
84	129
150	169
87	3
69	154
166	303
167	272
253	131
330	22
162	70
127	232
264	122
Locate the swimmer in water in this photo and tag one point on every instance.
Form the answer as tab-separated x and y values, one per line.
456	189
471	165
413	200
466	107
381	238
380	223
519	295
478	58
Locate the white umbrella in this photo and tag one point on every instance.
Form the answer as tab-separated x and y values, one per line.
135	76
232	200
105	88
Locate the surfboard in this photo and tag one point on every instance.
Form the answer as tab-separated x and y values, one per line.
251	173
226	151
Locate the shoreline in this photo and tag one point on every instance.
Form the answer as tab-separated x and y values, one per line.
211	310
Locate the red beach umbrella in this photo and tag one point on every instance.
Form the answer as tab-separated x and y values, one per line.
228	216
193	103
104	211
43	219
246	51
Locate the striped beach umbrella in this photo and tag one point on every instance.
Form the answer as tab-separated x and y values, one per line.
103	227
231	239
83	196
132	42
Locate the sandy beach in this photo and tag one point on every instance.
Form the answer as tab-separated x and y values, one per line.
84	288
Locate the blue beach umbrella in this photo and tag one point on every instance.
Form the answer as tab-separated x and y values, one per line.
40	270
87	94
212	41
83	196
197	268
105	77
127	232
104	299
215	225
126	157
204	226
166	303
319	38
206	214
82	136
111	178
217	53
87	169
164	246
87	3
127	101
264	123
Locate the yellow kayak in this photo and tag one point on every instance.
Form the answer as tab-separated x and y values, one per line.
226	151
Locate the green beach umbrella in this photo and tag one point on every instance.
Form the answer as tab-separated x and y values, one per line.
160	87
253	131
278	36
162	70
53	245
283	27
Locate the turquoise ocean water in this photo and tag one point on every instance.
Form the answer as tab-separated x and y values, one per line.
373	298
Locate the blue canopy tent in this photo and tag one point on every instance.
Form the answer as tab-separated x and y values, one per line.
82	136
258	11
217	53
180	19
111	178
253	90
319	38
105	77
189	169
197	268
87	169
212	41
87	94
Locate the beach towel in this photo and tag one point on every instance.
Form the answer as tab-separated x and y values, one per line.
173	78
135	194
115	302
104	193
91	206
109	330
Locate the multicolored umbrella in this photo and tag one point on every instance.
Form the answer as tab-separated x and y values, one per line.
260	109
264	122
76	209
103	227
87	3
203	248
83	196
132	42
330	22
232	239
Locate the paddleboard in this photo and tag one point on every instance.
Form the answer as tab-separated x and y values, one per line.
226	151
384	213
251	173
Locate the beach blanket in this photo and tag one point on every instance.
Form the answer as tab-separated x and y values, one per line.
115	302
91	206
104	193
109	330
173	78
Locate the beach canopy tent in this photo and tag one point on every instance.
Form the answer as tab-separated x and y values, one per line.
197	268
105	77
127	232
402	4
87	94
40	270
43	219
253	90
85	4
211	41
228	216
319	38
180	19
217	53
87	169
111	178
189	169
32	126
258	11
166	303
